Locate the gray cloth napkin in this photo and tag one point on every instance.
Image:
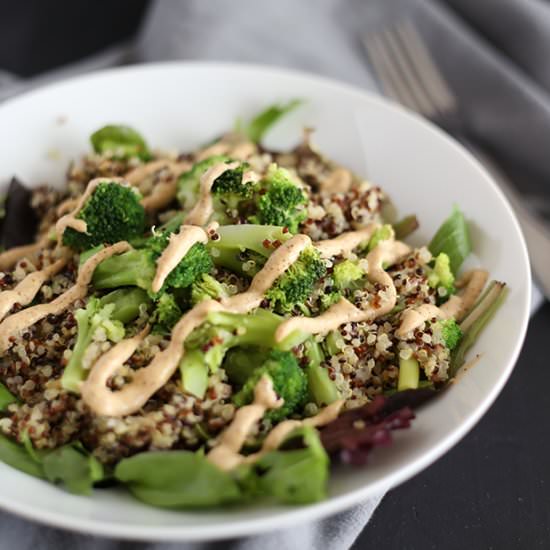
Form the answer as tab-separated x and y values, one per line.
492	52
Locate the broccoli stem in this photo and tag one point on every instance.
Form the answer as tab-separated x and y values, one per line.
253	329
322	389
330	343
235	239
257	329
476	321
74	372
120	306
409	374
128	302
240	363
250	236
133	268
194	373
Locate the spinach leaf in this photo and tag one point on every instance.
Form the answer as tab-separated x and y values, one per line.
295	476
256	129
73	466
122	140
6	397
28	446
17	457
452	238
177	479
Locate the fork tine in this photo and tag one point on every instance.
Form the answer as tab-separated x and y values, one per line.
386	72
429	74
409	77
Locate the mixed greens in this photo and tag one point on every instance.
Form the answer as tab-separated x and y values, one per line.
362	368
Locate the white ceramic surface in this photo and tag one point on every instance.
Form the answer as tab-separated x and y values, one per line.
425	172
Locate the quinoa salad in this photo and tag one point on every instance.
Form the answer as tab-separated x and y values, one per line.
221	325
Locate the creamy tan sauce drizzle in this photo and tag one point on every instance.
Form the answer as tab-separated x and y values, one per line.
415	317
455	307
66	206
149	379
346	242
216	149
201	212
137	175
275	266
70	219
24	293
278	434
239	150
338	181
110	361
10	257
15	324
387	252
250	177
164	192
212	227
177	248
226	454
161	196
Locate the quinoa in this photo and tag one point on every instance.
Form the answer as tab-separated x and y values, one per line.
363	364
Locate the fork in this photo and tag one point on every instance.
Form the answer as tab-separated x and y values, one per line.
409	75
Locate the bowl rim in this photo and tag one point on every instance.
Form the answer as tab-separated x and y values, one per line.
293	515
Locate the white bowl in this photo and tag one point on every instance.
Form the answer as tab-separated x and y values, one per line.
425	172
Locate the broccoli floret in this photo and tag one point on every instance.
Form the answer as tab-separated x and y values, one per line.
121	141
138	267
207	346
383	233
441	274
107	314
281	201
296	285
167	313
210	343
346	273
451	333
289	382
223	331
196	262
189	182
207	288
113	213
229	190
230	194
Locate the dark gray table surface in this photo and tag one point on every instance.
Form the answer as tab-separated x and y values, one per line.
492	491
